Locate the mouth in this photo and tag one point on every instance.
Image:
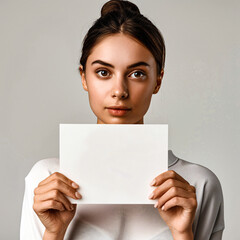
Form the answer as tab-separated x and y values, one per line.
118	111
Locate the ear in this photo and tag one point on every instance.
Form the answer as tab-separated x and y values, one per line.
159	81
84	82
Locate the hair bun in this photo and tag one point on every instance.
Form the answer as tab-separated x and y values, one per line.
119	6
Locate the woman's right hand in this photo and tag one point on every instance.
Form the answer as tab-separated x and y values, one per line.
52	206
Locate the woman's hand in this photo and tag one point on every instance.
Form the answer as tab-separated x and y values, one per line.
176	203
51	205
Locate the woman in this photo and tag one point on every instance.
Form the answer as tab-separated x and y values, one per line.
121	66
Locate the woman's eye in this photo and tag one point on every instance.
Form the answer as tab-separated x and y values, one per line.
138	74
103	73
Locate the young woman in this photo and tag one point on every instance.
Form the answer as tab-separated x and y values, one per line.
121	66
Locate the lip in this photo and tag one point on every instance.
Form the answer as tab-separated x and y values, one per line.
118	111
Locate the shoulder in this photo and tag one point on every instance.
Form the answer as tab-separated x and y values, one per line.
41	170
205	180
196	174
46	164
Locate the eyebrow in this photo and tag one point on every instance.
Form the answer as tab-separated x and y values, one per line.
130	66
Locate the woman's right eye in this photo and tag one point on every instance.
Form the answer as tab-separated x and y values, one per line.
103	73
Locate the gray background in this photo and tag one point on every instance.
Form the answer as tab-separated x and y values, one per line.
40	87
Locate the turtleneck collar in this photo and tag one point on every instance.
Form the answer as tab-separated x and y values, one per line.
172	159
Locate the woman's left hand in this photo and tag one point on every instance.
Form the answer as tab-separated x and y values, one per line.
176	203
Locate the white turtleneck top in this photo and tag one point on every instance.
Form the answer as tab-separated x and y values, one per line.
129	221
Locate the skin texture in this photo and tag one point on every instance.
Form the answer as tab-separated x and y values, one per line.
133	88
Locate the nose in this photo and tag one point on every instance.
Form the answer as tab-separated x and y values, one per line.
120	89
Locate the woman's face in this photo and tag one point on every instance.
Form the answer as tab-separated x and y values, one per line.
113	83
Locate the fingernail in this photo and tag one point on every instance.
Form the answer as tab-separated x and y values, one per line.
77	194
163	208
151	195
153	182
75	185
156	204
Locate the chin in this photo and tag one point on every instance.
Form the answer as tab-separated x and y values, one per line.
119	121
115	121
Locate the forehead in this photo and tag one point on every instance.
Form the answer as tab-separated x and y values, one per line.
121	49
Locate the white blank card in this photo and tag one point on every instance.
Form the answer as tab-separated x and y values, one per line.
113	163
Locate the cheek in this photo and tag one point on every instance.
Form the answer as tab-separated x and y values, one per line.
142	95
96	93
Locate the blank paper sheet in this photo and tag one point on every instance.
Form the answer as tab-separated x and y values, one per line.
113	163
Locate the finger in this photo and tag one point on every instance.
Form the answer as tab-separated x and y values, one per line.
189	204
174	192
167	175
58	175
46	205
193	189
57	184
169	183
74	206
54	195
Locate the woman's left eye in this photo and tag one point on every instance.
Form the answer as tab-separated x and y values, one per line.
138	74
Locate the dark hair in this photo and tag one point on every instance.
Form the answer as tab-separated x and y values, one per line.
123	16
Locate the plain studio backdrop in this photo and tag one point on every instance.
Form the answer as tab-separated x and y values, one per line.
40	87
